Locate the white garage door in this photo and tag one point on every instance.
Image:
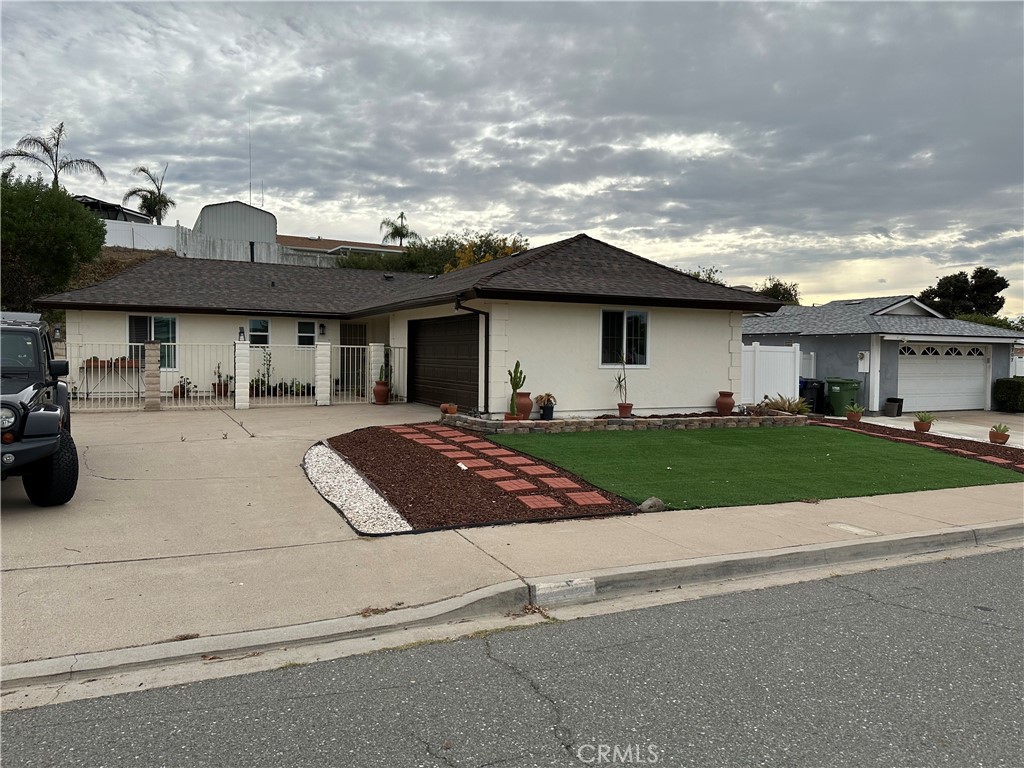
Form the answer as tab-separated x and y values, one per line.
943	377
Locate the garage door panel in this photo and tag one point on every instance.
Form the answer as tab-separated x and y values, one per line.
445	360
942	382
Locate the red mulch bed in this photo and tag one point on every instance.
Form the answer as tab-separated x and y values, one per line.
950	445
431	492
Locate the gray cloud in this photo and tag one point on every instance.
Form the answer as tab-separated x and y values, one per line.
761	138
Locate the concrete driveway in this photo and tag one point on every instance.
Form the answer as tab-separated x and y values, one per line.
201	521
973	425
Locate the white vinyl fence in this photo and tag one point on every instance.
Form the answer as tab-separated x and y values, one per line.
770	371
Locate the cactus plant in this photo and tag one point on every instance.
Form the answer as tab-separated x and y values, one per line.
516	378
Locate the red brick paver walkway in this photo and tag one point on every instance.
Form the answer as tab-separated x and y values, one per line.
511	472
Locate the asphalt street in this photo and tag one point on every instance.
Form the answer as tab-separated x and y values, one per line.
913	666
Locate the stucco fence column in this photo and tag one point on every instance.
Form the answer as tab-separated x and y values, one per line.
241	375
322	373
151	377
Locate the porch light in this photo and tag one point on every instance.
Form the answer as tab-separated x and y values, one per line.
323	329
56	332
241	333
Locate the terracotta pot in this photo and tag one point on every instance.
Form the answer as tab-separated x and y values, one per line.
922	426
453	408
725	403
444	407
380	393
625	410
176	391
999	438
511	417
524	404
853	416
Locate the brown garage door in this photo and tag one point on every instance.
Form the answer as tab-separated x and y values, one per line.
444	361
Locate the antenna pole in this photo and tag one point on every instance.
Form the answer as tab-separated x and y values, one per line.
250	157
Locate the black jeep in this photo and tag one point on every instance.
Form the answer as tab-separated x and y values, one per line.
35	415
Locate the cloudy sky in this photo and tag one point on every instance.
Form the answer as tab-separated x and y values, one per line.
858	149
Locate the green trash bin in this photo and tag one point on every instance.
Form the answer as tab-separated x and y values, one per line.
841	393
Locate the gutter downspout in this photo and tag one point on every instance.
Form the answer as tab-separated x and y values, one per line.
487	348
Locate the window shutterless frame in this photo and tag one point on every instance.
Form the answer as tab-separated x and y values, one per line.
259	332
625	335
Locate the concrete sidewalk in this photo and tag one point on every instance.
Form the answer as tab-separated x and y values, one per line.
197	533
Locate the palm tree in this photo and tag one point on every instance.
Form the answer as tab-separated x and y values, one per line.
45	150
152	200
396	229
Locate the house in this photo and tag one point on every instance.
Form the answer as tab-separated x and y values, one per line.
571	312
331	249
896	347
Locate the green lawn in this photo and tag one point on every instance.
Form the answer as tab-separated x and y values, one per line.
732	467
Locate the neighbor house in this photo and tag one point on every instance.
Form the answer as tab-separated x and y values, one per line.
896	347
572	313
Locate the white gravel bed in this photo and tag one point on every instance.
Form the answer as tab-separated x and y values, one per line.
345	489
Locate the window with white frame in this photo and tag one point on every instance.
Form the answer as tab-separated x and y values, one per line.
623	336
143	328
259	332
306	334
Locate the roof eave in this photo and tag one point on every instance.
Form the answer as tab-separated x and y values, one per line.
151	309
597	298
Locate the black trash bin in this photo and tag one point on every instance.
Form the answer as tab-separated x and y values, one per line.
893	406
813	392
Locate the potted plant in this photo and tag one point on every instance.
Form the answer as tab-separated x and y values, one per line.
999	434
625	407
516	379
382	386
221	387
184	388
923	421
449	408
546	403
854	412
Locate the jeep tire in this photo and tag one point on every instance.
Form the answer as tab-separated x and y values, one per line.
53	480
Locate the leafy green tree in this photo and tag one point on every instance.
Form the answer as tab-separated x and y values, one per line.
46	235
396	230
962	295
774	288
46	151
481	247
1010	324
707	274
441	253
152	200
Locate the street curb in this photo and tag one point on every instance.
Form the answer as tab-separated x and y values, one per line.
588	586
511	597
504	598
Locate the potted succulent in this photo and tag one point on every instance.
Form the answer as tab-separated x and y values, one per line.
546	403
923	421
625	407
516	407
999	434
854	412
450	408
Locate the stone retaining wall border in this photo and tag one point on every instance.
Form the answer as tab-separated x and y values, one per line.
527	426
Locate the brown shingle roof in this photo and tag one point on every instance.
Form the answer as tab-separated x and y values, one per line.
175	284
580	269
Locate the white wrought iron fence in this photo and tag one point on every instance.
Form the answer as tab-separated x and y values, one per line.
350	375
281	374
197	375
106	376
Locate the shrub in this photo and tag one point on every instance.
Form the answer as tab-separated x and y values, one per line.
1008	394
